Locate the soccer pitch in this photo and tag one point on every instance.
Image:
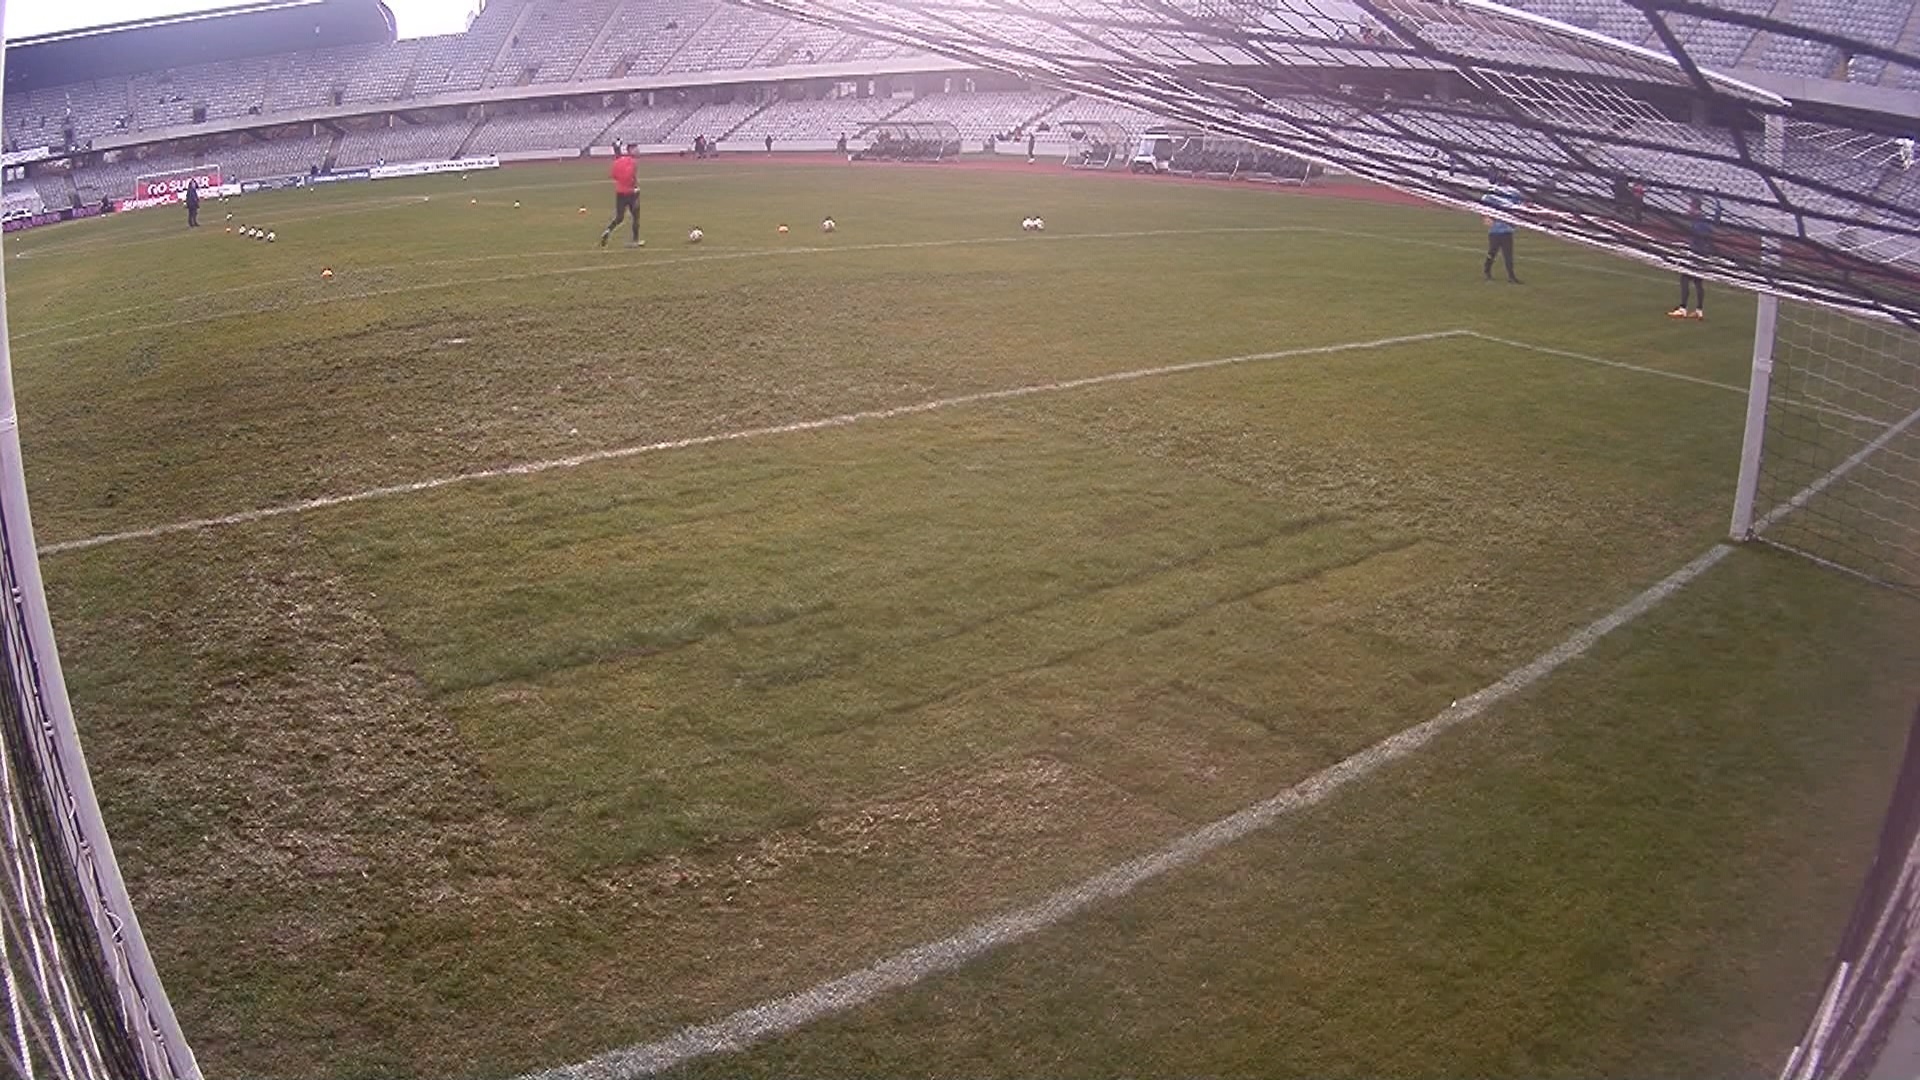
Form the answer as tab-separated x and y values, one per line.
509	651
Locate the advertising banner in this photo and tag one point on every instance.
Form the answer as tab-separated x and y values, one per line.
22	157
148	187
340	177
428	168
274	183
51	216
172	198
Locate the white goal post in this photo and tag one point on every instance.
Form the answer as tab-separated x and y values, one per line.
1830	463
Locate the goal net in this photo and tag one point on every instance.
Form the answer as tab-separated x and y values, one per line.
79	996
1832	464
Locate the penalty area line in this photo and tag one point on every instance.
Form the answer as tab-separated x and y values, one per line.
904	969
823	423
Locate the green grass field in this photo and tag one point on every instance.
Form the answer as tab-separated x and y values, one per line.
500	774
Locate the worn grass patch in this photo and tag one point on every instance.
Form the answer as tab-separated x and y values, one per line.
500	775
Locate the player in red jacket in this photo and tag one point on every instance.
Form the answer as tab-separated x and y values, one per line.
626	196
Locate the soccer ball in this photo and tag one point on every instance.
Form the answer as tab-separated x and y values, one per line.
828	225
269	236
327	274
1026	224
695	236
229	217
1039	224
783	230
516	204
583	210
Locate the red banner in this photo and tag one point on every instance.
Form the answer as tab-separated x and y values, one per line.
149	187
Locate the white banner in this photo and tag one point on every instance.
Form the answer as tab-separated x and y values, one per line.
428	168
22	157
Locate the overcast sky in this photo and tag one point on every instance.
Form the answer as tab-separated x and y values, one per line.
417	18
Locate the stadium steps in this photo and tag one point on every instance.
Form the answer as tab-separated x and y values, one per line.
728	134
413	74
333	149
602	139
1058	104
1909	40
667	64
871	124
507	40
613	20
1750	56
471	135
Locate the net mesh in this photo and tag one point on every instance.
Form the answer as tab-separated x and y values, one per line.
1609	132
73	1008
1840	462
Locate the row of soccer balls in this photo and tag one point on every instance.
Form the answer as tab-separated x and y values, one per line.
252	233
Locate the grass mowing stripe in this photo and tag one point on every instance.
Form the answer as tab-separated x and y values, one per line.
904	969
628	264
836	421
281	283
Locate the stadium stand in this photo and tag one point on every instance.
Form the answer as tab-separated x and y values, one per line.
55	190
402	142
642	36
527	49
551	42
21	202
726	42
649	126
814	120
1890	23
983	116
714	121
565	131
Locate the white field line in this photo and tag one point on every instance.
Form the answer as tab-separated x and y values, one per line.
905	968
1643	370
823	423
1603	362
390	202
582	251
609	262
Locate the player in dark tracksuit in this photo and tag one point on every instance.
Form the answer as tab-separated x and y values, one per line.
626	196
193	204
1700	241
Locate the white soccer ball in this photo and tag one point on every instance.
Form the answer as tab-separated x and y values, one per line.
1026	224
828	225
269	236
695	236
1039	225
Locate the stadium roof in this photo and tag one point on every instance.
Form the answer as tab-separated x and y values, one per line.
230	33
